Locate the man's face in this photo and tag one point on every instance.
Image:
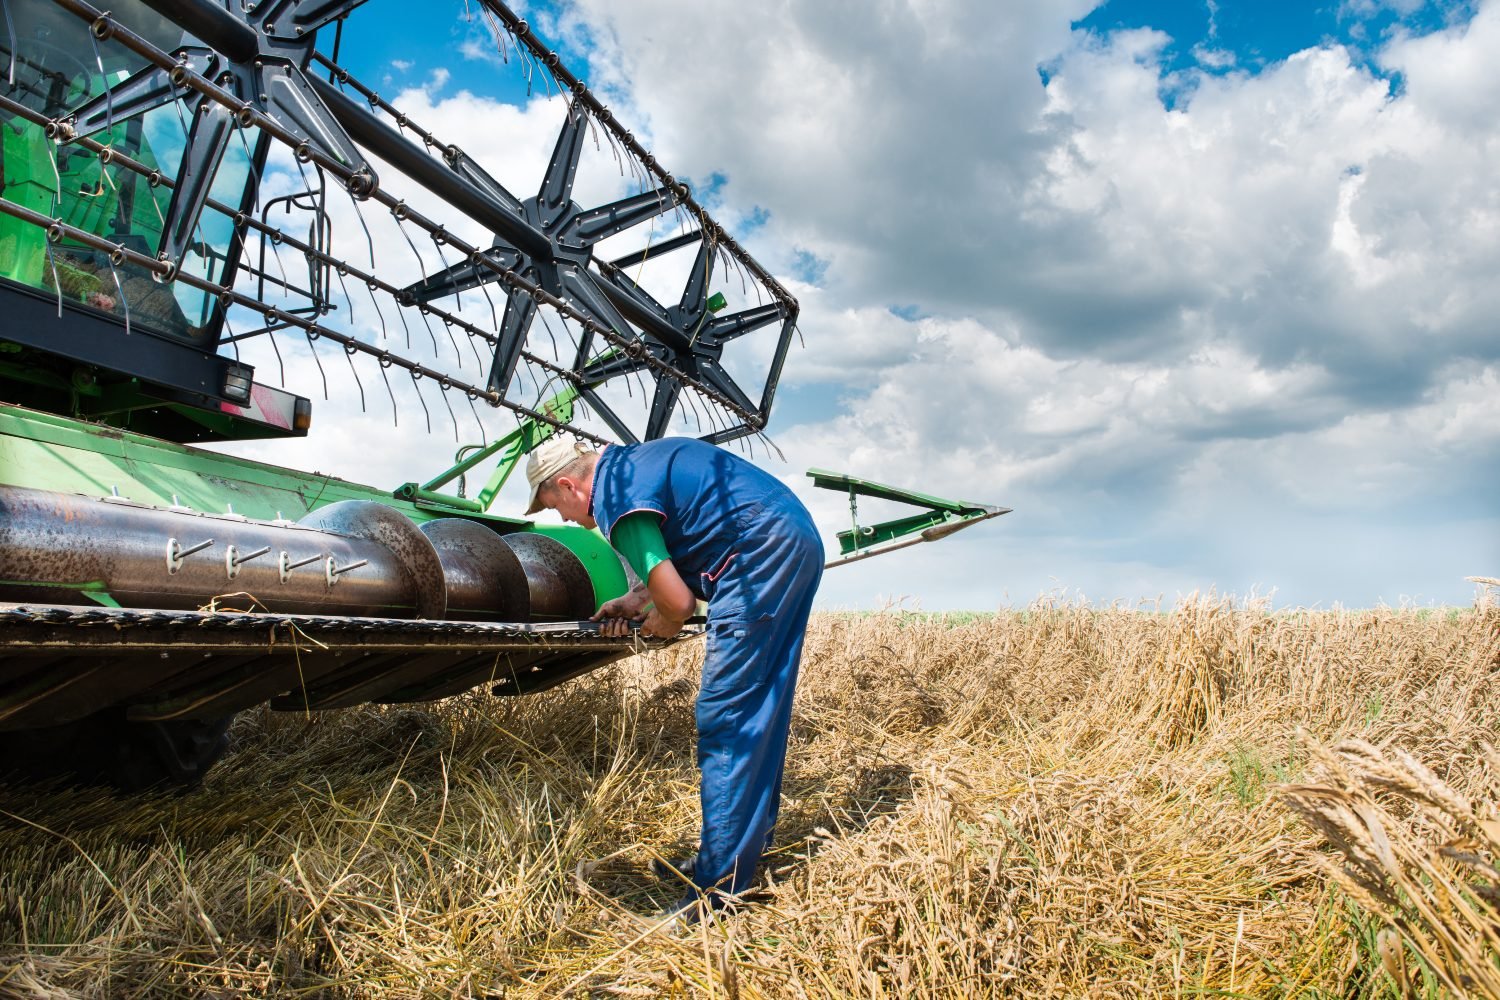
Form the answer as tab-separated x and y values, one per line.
570	499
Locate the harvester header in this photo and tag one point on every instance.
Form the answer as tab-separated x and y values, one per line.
206	222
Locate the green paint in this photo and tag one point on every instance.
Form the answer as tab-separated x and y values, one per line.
100	597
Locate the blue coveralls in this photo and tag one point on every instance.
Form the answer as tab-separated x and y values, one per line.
744	543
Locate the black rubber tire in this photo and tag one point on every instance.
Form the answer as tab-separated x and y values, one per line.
107	749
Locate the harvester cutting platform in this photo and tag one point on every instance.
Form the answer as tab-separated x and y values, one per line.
197	193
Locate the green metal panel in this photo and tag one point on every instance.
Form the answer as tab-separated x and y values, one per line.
27	164
49	452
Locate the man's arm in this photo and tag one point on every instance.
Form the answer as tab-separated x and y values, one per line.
672	603
664	602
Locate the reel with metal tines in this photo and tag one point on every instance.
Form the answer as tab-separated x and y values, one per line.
597	305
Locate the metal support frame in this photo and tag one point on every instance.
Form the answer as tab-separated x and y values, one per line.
941	518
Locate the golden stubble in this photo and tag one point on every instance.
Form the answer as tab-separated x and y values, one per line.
1064	800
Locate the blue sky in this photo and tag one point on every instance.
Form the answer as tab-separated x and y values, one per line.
1203	290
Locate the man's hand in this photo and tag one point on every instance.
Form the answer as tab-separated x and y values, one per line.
615	616
662	605
658	626
632	606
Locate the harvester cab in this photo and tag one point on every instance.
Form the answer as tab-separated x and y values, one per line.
199	200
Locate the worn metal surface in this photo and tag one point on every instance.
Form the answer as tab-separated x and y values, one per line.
559	583
418	561
485	579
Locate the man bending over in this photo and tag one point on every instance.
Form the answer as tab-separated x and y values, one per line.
698	523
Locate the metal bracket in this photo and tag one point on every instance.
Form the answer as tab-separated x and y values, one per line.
511	448
941	519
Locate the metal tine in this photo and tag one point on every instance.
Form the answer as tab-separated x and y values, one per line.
57	181
425	312
348	299
484	439
593	129
415	384
349	351
109	100
56	281
422	311
518	380
421	266
458	301
614	148
120	289
542	312
640	381
371	286
494	316
715	410
249	158
525	60
104	176
766	438
271	336
401	315
310	338
10	29
443	392
693	405
498	34
458	355
470	337
370	240
395	414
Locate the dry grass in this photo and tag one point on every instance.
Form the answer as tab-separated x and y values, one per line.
1062	801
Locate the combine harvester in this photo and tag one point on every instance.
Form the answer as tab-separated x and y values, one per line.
195	193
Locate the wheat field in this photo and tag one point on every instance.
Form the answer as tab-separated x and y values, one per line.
1066	800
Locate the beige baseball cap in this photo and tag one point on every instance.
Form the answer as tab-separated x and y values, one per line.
548	459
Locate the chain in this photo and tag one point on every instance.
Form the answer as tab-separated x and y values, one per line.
18	616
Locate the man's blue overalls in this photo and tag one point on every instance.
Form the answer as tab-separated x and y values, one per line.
745	544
